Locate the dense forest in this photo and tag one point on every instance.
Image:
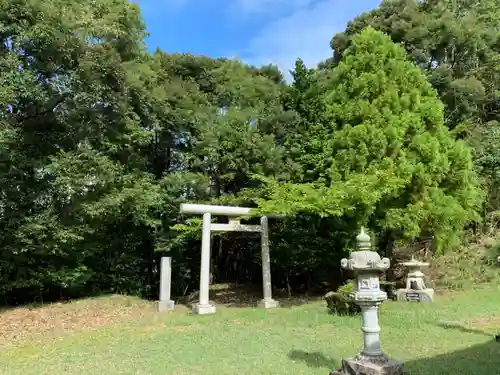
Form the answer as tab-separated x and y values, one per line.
101	141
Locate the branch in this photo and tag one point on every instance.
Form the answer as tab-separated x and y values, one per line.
51	108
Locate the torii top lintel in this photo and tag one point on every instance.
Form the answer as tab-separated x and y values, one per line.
188	208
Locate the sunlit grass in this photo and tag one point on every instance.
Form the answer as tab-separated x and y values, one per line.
453	336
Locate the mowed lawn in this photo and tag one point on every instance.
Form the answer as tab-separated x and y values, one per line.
453	336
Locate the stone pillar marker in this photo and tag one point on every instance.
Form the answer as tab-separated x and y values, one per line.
415	286
165	303
204	306
367	266
267	302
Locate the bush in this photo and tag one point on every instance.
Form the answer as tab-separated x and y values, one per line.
389	287
341	302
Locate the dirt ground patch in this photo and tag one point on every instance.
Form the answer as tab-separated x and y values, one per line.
486	322
24	323
21	324
239	295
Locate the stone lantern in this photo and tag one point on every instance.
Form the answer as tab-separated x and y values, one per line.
367	266
415	286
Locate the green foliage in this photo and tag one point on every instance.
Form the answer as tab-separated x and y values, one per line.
455	43
389	287
467	267
70	133
387	155
101	141
341	302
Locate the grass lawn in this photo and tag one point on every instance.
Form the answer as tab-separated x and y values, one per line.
119	335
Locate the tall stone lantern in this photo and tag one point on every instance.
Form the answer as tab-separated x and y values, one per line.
367	266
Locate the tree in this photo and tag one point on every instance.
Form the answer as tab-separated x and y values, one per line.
389	159
303	100
454	42
71	170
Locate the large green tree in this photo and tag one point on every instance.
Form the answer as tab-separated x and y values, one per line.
388	160
454	42
71	171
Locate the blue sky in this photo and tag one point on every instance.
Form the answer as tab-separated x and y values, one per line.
255	31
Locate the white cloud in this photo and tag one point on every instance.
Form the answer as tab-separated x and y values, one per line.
306	33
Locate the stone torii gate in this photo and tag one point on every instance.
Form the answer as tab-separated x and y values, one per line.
204	306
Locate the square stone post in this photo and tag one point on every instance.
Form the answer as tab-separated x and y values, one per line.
267	302
367	265
205	306
165	303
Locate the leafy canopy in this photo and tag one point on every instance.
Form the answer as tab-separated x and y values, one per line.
388	158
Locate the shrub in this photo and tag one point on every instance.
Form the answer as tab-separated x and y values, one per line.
389	287
341	302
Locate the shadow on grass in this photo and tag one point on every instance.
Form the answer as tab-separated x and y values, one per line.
463	329
314	359
483	359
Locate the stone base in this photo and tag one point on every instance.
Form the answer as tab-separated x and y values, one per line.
353	366
204	309
268	304
163	306
424	295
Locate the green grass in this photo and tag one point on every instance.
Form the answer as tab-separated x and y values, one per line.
453	336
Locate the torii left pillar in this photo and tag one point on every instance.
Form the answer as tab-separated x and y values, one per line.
204	306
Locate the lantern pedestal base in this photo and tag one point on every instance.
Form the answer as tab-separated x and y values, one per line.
423	295
352	366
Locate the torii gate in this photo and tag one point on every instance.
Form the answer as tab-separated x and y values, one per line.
205	306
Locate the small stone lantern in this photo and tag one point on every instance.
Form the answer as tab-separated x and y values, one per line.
367	266
415	285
